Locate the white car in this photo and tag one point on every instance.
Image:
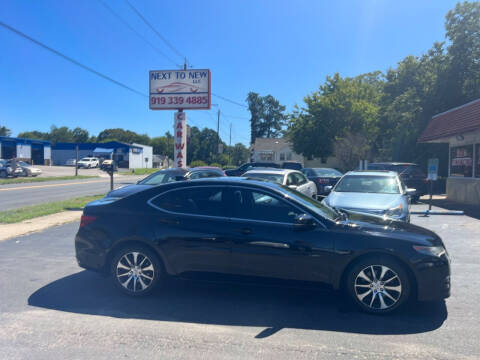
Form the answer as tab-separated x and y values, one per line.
88	162
28	170
292	178
70	162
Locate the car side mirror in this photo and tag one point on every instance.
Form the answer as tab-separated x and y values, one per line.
410	191
328	188
304	222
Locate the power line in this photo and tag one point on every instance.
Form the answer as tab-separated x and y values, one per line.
124	22
155	31
235	117
229	100
75	62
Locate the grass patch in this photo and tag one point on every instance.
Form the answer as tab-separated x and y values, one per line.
21	180
30	212
139	171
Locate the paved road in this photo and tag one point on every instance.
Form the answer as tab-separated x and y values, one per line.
18	195
51	309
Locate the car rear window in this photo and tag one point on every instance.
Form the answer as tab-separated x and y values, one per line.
326	172
368	184
277	178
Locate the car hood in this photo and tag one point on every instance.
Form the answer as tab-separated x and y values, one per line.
388	228
358	201
127	190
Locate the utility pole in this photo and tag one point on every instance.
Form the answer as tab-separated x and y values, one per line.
76	159
218	131
230	144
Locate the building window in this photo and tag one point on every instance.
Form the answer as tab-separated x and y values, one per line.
461	161
282	156
477	161
266	155
289	156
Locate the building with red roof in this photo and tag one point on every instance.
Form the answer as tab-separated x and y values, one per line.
460	128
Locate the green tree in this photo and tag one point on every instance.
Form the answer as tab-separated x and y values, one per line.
4	131
267	116
341	105
239	153
80	135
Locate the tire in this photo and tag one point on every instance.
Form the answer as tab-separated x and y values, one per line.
142	283
374	295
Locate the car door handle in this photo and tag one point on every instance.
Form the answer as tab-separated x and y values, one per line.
245	231
170	221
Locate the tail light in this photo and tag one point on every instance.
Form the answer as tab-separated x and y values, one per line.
87	219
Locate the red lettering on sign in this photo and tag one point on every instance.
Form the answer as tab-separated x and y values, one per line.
179	134
179	155
179	163
179	146
179	125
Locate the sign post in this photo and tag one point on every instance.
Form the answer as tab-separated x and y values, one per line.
432	176
180	90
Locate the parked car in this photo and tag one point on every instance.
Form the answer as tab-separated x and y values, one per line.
243	227
167	176
28	170
380	193
292	165
70	162
292	178
248	166
411	174
7	169
322	177
88	162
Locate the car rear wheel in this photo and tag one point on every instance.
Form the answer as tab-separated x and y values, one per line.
378	285
136	270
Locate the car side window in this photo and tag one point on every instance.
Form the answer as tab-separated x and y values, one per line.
257	205
291	180
300	178
198	201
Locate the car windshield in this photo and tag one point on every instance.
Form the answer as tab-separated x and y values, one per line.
277	178
368	184
86	159
313	205
161	177
23	163
326	172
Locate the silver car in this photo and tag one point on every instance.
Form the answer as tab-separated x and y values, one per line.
292	178
375	192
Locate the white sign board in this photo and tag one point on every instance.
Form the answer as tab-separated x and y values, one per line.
180	89
180	142
432	169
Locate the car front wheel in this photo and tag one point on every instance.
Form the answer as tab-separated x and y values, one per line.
136	270
378	284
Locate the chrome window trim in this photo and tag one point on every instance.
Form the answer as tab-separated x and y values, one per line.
268	191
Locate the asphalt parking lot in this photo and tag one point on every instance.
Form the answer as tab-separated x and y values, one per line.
50	308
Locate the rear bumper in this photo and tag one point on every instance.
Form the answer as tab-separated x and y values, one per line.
90	257
433	279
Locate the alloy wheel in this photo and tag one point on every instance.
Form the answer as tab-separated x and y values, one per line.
378	287
135	272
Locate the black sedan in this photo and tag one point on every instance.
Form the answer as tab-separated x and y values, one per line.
166	176
252	228
322	177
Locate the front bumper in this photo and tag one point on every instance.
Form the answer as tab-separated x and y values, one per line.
433	279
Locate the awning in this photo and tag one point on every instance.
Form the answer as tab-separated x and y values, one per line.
100	150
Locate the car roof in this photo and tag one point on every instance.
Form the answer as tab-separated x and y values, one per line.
393	163
271	171
385	173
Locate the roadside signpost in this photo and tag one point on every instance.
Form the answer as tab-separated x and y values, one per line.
432	176
180	90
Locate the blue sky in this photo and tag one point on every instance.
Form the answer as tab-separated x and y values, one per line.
281	47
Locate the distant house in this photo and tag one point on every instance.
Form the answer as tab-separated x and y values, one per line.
280	150
460	128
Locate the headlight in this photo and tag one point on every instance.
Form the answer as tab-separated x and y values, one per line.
436	251
395	211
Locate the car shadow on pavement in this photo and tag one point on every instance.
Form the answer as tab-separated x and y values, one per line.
234	304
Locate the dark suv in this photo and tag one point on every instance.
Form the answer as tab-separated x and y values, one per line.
249	166
410	174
